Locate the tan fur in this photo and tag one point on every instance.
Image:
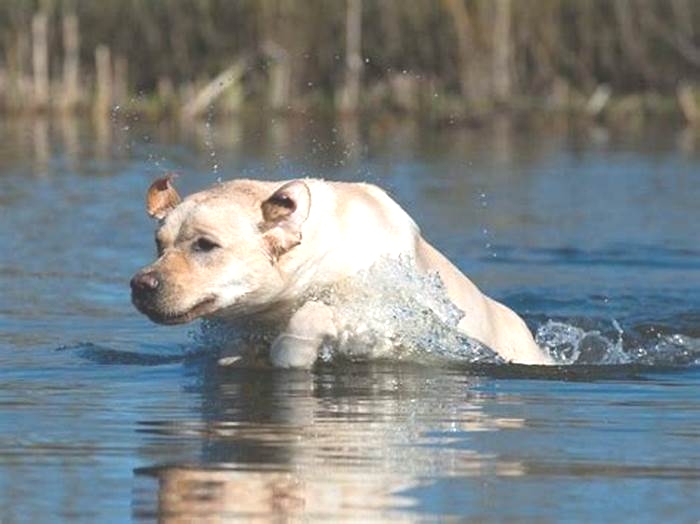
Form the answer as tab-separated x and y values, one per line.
161	197
274	240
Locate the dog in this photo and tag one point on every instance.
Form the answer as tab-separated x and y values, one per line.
252	249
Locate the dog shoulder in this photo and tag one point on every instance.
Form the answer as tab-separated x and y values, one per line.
376	222
375	201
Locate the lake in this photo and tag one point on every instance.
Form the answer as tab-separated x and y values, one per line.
591	235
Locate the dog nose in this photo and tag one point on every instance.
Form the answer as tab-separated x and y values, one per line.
144	282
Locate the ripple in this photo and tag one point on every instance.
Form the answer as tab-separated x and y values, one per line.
103	355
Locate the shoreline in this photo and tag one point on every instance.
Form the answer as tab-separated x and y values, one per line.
623	111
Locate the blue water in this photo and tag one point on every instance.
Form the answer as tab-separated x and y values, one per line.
591	235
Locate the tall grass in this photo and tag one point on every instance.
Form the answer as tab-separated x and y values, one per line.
446	56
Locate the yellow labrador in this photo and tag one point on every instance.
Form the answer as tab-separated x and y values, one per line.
248	248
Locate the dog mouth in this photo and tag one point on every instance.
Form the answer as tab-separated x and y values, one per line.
169	319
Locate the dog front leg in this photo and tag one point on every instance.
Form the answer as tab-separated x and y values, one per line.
298	345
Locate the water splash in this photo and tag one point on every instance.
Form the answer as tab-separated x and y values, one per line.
603	345
394	312
569	344
390	311
209	142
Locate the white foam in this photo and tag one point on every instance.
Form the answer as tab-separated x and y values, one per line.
391	311
569	344
394	312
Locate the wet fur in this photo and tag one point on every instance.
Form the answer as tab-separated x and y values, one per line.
276	239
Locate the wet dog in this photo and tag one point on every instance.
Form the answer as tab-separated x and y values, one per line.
252	249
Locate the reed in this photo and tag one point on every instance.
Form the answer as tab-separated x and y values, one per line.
445	59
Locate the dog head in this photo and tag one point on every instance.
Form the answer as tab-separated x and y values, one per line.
219	250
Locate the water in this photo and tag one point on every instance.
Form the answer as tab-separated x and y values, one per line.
591	236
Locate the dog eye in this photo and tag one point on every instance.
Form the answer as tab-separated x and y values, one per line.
204	245
159	247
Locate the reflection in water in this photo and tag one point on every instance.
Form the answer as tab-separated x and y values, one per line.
351	139
214	140
42	150
279	137
186	494
688	140
502	139
342	443
103	137
70	138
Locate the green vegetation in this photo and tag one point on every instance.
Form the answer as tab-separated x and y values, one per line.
441	58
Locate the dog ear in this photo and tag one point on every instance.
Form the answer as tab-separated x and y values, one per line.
283	215
161	197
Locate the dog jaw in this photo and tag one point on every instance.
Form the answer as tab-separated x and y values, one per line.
205	307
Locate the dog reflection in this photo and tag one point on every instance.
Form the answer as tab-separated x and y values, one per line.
335	446
200	495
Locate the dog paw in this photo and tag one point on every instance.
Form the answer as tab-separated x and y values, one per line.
312	320
289	351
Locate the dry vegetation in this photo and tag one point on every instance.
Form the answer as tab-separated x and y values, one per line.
438	57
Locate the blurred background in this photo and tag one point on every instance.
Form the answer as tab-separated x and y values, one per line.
441	60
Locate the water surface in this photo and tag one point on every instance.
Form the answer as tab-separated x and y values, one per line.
591	236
